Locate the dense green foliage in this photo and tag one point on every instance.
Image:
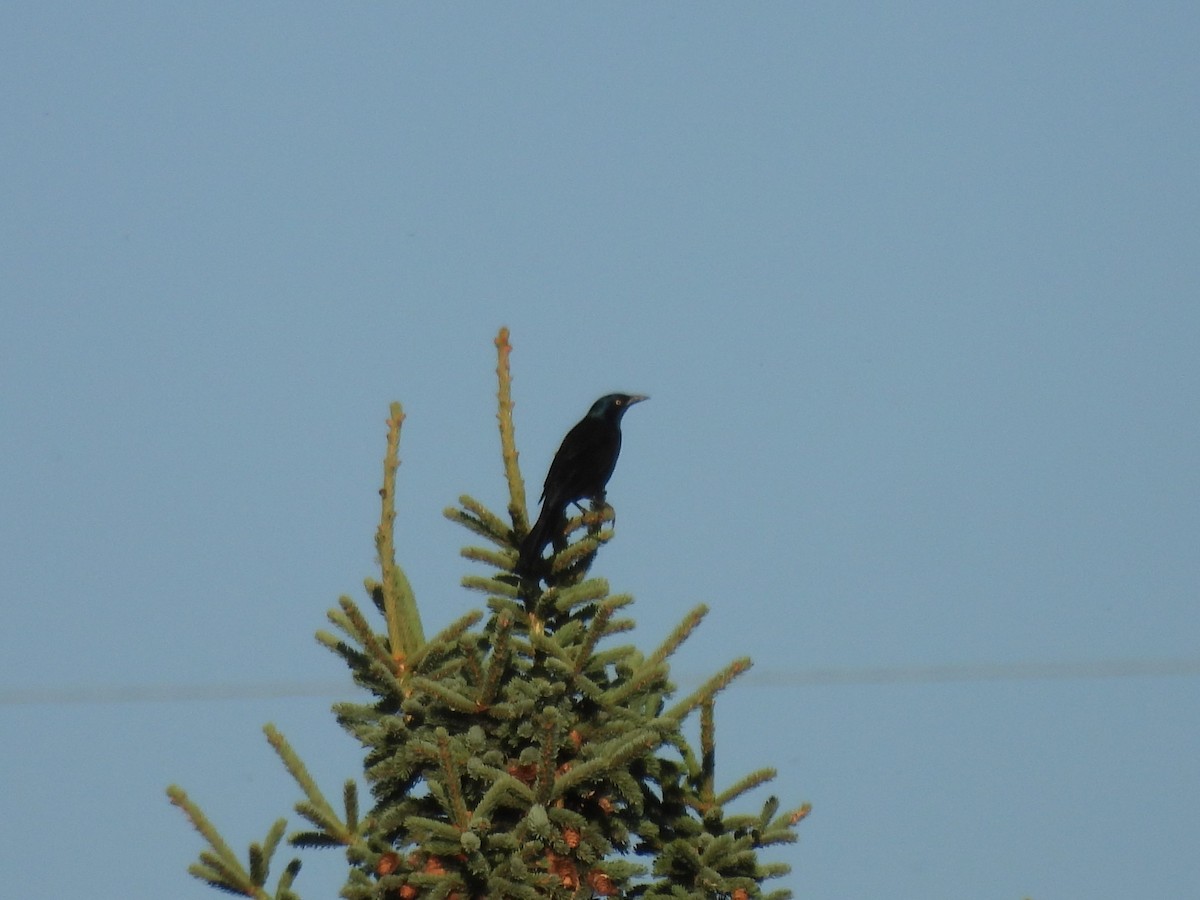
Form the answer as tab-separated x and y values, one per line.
520	753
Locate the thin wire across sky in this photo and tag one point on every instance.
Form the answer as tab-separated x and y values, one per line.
92	695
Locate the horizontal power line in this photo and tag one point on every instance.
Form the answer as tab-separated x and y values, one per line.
878	675
1044	671
169	693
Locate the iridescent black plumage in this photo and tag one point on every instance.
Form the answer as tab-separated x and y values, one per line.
580	470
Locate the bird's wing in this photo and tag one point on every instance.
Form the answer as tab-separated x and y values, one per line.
572	459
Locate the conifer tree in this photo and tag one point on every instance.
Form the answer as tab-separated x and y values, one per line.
522	752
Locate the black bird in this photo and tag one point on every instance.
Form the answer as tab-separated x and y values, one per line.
581	469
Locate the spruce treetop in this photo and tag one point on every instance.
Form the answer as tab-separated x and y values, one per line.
524	751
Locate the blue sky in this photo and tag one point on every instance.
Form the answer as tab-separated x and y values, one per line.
914	292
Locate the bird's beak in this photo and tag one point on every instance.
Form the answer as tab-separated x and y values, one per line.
637	398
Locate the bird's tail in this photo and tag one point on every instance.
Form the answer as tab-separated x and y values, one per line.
542	532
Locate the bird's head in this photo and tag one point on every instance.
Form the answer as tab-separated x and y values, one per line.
613	406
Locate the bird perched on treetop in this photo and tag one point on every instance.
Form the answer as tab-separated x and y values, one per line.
580	470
